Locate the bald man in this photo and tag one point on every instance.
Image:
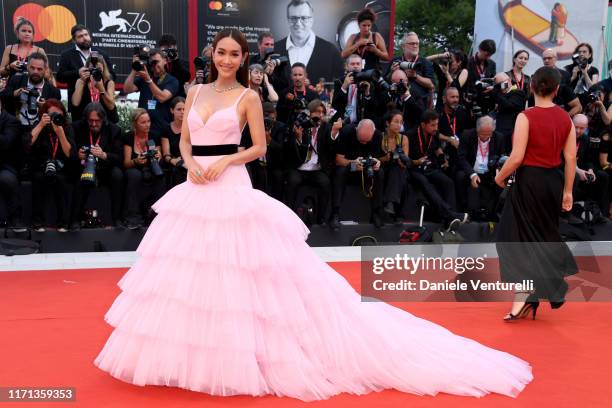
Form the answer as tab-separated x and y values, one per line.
510	102
566	98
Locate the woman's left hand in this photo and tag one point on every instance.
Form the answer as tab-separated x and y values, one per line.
500	182
568	201
215	170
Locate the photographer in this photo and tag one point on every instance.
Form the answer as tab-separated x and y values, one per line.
358	154
510	102
428	160
517	74
144	176
15	56
606	84
175	66
589	183
94	85
453	121
73	61
355	97
25	93
155	93
10	164
265	43
100	153
481	70
367	44
419	70
309	156
170	138
49	150
395	162
202	69
451	71
267	172
480	154
583	74
258	81
274	65
296	97
565	98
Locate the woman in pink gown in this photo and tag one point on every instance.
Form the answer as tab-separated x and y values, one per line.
227	298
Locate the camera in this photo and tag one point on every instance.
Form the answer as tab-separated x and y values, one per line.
398	89
368	166
57	118
502	86
201	64
484	83
590	178
171	53
277	59
580	61
398	153
51	168
410	65
304	120
142	52
374	76
153	169
268	124
88	176
22	66
497	162
29	96
593	96
95	73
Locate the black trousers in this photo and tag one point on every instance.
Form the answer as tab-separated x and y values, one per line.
140	195
43	189
9	194
439	189
318	179
485	196
111	178
267	179
343	175
597	191
177	176
395	183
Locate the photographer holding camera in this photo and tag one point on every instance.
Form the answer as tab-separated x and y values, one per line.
73	61
510	101
355	96
358	154
419	70
481	153
589	183
395	162
176	67
481	70
15	57
428	160
170	139
401	99
25	93
49	150
454	119
309	156
450	68
565	96
296	97
94	85
144	176
259	82
583	74
100	153
202	69
367	44
157	91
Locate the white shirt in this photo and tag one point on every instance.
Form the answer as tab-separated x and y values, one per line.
25	117
300	54
481	165
313	163
83	54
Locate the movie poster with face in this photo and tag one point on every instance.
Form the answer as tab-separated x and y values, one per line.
540	25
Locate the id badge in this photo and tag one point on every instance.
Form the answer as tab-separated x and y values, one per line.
482	168
151	104
348	112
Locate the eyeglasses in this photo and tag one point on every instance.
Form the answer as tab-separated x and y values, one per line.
301	19
412	43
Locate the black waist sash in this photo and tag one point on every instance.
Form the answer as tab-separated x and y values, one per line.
213	150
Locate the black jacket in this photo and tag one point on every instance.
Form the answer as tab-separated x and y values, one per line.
111	142
371	105
13	105
295	153
325	61
180	70
469	148
508	107
274	152
284	106
69	65
11	151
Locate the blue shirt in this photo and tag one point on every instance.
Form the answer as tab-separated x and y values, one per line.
159	112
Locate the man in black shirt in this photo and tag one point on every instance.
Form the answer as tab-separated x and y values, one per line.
358	153
105	143
510	102
453	121
479	67
178	68
566	98
427	161
286	107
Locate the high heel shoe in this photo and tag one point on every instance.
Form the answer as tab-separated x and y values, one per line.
524	312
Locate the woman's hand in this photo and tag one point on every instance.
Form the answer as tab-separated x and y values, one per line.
215	170
196	174
500	181
568	201
45	120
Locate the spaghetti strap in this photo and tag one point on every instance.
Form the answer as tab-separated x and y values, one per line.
241	95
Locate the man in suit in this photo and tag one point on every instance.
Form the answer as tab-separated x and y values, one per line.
309	156
480	147
296	95
16	95
322	58
72	60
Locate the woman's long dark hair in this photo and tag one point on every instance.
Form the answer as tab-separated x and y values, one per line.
242	75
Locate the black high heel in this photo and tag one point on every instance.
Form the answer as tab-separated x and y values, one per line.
524	312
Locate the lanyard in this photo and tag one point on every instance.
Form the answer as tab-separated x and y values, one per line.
480	71
91	143
25	57
142	144
54	145
295	92
421	141
398	141
520	83
93	92
313	144
453	127
483	152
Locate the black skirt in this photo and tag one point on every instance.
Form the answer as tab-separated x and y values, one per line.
529	244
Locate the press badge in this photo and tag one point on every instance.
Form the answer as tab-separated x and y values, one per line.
151	104
482	168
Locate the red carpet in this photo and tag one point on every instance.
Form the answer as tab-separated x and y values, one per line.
52	327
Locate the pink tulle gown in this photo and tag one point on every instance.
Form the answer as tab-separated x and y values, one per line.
227	298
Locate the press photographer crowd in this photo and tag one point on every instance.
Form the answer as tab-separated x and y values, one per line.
436	126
